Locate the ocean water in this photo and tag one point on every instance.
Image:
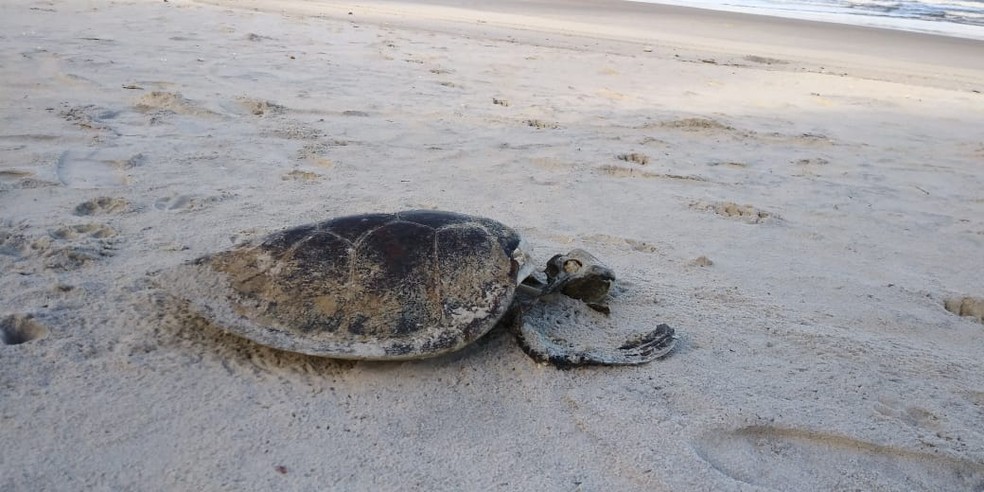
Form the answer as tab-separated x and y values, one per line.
961	18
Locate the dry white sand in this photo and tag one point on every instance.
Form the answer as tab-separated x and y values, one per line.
832	175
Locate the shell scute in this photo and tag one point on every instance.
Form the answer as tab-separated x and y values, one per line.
353	227
434	219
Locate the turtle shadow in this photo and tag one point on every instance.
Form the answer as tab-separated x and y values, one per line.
777	457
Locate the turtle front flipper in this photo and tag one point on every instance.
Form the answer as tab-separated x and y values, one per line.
562	330
639	349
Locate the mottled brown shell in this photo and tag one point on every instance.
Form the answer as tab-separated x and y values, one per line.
381	286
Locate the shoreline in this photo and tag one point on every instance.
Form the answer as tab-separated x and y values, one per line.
628	27
907	24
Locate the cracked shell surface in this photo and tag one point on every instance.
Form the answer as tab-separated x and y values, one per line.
405	285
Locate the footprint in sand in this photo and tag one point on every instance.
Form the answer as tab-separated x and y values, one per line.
90	117
16	329
102	205
185	203
744	213
101	168
780	458
76	245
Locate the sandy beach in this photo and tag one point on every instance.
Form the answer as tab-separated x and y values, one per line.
801	201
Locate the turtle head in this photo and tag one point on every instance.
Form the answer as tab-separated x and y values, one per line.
580	275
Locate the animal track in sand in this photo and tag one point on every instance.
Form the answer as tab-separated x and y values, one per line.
728	164
634	157
315	154
299	175
812	161
972	307
915	416
701	261
259	107
745	213
296	131
99	231
54	254
257	37
641	246
776	457
809	167
15	244
710	125
102	205
764	60
68	247
696	124
89	117
631	172
541	125
16	329
74	256
635	245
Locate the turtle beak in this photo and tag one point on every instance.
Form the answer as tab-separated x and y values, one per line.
522	262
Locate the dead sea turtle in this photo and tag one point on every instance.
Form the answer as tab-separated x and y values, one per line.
405	285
